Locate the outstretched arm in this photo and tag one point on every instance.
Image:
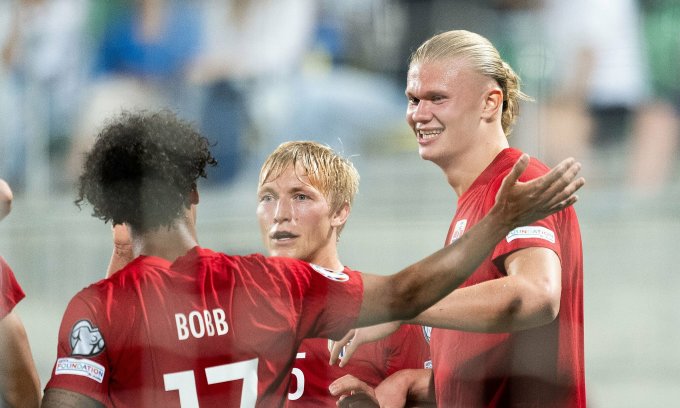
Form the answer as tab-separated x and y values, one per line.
529	296
58	398
19	380
403	295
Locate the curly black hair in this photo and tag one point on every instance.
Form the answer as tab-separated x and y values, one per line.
142	168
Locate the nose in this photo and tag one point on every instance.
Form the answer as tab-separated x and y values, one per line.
283	211
421	112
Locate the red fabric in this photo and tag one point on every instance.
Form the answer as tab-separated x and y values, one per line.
541	367
10	291
372	362
249	310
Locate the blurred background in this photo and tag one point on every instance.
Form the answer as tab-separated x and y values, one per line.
604	75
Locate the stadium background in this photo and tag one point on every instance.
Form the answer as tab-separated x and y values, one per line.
603	75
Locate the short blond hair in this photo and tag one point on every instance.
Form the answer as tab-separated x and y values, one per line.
483	58
330	173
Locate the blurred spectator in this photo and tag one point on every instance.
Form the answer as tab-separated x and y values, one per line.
654	148
43	56
250	49
596	76
141	59
352	45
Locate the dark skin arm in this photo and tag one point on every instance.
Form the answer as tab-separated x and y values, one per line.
58	398
403	295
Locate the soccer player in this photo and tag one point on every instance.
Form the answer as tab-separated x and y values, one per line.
305	196
184	326
512	335
19	381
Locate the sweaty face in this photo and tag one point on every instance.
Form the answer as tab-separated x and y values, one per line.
296	220
445	101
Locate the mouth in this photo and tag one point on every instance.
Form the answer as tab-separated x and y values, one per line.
427	134
282	236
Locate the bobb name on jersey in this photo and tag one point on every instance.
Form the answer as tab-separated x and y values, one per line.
199	324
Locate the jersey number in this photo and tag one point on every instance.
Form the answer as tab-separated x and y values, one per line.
185	382
300	380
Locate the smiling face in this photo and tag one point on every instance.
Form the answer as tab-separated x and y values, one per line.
446	101
296	220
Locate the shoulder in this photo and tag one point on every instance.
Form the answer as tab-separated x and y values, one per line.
501	168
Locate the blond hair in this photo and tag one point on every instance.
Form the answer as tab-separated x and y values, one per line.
483	58
333	175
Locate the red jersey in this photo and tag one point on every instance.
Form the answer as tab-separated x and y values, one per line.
541	367
372	363
10	291
209	330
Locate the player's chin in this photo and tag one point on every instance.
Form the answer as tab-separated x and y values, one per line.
279	250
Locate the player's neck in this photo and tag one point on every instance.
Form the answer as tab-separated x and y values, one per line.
462	171
167	243
328	260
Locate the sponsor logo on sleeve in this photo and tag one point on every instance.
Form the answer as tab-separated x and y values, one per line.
531	232
80	366
86	340
337	276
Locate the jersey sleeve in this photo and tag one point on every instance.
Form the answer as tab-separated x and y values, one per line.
543	233
82	364
330	300
10	291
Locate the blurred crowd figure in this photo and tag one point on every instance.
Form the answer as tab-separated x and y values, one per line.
41	78
657	130
253	73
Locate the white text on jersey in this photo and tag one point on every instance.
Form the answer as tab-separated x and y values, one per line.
201	323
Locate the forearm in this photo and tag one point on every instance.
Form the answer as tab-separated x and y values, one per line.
422	284
410	387
58	398
500	305
19	380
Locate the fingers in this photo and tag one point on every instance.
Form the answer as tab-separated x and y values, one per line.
349	350
348	384
353	392
564	186
516	171
557	186
557	172
336	350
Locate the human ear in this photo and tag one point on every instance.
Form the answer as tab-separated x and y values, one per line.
340	216
493	103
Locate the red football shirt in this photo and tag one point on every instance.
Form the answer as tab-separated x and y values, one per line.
541	367
210	330
10	291
372	363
